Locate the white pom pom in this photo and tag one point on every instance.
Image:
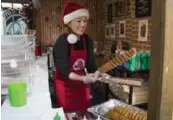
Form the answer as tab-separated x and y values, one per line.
13	63
72	38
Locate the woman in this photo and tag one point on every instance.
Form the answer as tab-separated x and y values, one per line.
73	57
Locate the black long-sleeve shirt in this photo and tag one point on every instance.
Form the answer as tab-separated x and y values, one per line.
61	53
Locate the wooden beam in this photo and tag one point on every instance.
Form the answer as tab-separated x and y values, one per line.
161	74
15	1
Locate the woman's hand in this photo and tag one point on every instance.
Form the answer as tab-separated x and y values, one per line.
90	78
97	74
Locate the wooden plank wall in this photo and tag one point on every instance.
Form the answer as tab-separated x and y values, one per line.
48	23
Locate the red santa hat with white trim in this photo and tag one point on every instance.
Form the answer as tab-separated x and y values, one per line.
71	12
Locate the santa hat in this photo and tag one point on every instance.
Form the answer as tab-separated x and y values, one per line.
73	11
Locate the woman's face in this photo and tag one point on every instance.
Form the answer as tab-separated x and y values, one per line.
78	25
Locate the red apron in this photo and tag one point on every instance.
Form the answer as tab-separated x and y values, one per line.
73	95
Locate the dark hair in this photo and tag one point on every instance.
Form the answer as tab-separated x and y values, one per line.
67	28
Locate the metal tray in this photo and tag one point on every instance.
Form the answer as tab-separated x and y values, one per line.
103	109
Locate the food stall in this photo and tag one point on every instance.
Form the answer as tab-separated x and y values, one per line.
38	105
103	111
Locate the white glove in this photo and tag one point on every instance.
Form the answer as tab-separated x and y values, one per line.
97	74
90	78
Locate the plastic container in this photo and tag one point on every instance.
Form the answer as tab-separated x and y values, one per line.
148	59
17	94
144	61
17	60
132	63
138	63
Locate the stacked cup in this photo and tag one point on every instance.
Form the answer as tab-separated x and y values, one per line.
17	94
